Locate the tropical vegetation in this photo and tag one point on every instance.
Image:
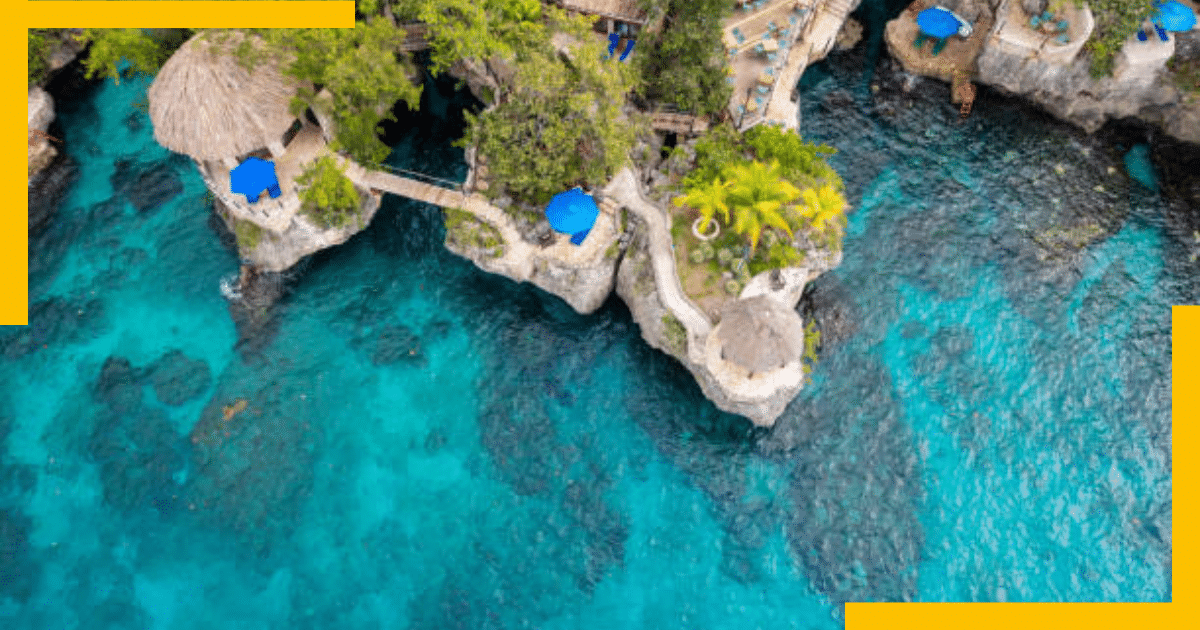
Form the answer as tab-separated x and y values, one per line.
327	195
560	124
766	185
683	64
1116	21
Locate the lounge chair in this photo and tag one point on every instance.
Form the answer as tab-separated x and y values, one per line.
628	49
771	57
937	48
1161	33
764	90
613	40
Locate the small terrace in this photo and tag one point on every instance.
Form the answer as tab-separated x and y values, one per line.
758	38
273	214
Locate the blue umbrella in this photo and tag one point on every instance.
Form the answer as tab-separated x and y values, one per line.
252	176
937	22
572	212
1173	16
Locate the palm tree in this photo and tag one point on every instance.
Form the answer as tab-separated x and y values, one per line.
823	206
708	199
757	195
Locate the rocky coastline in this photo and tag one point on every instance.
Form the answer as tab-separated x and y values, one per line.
1056	77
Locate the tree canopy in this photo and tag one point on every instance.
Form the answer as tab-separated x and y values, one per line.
561	125
145	50
684	65
364	70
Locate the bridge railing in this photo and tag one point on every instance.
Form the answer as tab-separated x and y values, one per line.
423	177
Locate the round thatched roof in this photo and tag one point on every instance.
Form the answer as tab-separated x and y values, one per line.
760	334
204	104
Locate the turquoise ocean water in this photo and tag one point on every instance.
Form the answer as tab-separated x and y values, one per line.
429	446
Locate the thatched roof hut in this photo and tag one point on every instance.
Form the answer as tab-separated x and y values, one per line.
205	105
760	334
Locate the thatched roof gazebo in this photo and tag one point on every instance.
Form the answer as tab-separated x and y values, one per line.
759	334
205	105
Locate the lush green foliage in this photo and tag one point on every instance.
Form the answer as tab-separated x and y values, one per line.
41	44
684	65
144	51
1116	20
757	195
248	234
364	70
328	195
769	179
478	29
560	126
802	162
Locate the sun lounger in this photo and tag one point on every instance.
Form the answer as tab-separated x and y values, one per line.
628	49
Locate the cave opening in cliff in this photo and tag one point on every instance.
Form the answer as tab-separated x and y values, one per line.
669	142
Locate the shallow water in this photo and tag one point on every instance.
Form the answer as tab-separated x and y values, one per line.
429	446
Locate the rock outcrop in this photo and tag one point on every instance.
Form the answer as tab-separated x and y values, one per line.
1057	76
269	250
41	114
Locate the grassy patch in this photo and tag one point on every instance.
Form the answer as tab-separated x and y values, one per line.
248	234
1116	20
676	333
465	231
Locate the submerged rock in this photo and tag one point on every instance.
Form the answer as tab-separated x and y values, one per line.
147	187
178	378
18	573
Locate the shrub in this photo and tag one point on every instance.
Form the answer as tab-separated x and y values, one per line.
1115	20
696	256
733	287
724	256
675	332
248	234
328	196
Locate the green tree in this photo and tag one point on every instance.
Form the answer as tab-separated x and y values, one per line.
363	68
824	208
479	29
41	41
757	196
802	162
709	200
562	124
684	64
109	46
328	196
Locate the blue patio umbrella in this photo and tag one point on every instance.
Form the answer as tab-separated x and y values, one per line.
937	22
1174	16
252	176
573	212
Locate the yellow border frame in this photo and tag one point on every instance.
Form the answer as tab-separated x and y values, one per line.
1185	335
14	226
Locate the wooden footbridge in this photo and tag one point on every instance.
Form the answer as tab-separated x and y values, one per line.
686	124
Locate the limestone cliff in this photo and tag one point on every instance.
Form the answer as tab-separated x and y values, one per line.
274	251
1056	76
41	114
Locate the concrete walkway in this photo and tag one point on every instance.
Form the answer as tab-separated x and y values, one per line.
624	188
518	255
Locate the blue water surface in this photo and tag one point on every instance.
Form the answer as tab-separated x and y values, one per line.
425	445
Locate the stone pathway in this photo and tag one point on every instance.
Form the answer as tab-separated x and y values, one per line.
624	188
